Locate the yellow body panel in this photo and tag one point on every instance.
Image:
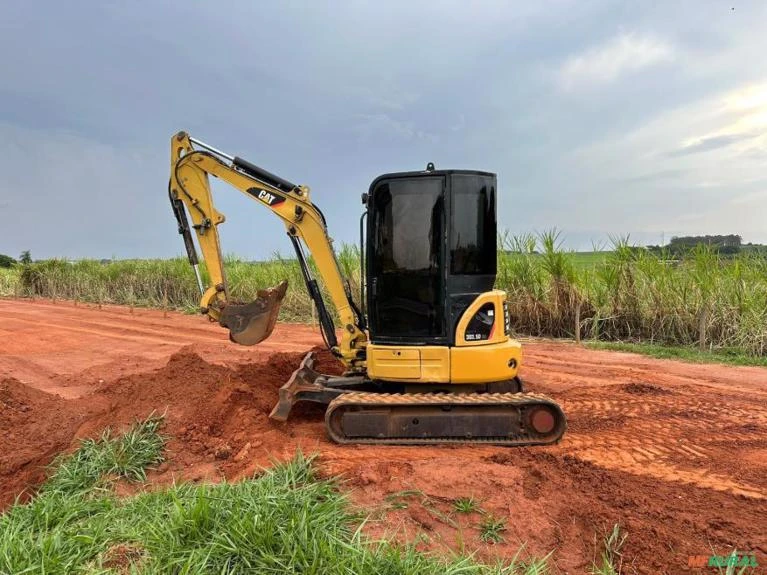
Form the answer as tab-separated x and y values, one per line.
485	363
436	364
421	364
395	363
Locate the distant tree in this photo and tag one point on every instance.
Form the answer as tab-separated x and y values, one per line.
729	244
6	261
25	257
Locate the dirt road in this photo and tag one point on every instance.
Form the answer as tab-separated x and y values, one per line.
674	452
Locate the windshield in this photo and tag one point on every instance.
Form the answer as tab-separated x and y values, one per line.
473	230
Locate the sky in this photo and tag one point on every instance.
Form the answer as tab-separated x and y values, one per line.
602	119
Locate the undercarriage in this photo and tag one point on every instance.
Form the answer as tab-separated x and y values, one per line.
360	411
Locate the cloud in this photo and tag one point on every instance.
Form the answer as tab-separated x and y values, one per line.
375	126
711	143
652	177
734	122
693	168
759	197
618	56
709	123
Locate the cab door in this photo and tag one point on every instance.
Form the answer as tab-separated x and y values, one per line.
406	254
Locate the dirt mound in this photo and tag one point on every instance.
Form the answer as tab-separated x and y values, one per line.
217	417
593	423
34	427
16	397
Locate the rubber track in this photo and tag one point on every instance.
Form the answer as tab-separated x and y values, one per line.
517	400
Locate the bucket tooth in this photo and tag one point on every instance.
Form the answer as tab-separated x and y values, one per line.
253	322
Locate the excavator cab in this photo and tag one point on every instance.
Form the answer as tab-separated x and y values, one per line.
431	251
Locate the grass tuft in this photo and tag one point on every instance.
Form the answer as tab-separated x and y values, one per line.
10	282
491	529
466	505
611	558
98	461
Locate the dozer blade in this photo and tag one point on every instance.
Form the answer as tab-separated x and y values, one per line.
253	322
306	384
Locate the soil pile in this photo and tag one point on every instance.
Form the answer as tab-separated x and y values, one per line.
34	427
639	388
217	417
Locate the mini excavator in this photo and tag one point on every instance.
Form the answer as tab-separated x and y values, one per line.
426	348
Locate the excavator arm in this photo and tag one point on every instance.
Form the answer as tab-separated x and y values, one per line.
192	162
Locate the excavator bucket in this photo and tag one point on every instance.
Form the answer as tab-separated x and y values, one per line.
253	322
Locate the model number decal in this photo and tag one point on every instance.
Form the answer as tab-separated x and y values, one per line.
475	336
269	198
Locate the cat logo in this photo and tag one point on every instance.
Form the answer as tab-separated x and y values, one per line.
269	198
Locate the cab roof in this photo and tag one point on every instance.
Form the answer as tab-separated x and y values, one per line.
428	173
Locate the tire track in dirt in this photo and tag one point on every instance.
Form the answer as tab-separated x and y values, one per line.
660	435
120	330
571	365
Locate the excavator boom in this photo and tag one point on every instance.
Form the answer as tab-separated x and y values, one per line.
192	162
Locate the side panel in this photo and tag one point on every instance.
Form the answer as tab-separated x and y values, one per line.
417	364
483	322
437	364
485	363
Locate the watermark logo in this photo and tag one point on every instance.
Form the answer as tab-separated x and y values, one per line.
734	560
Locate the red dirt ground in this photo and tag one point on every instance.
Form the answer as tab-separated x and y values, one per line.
674	452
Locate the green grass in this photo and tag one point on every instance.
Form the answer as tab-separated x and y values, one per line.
491	529
632	294
10	281
589	260
97	462
610	560
691	354
157	283
286	520
466	505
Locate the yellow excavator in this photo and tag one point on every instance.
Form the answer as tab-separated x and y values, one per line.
426	349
